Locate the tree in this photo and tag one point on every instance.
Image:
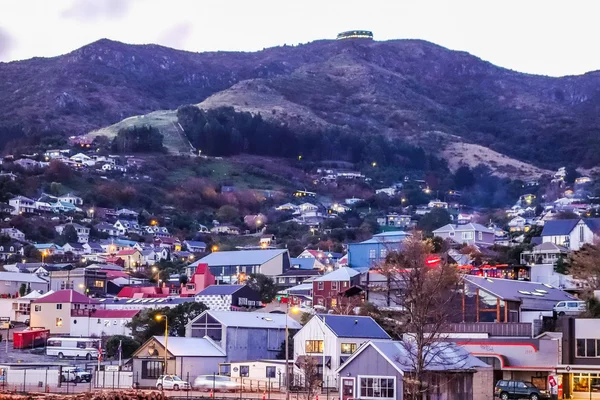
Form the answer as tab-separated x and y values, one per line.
428	297
22	290
433	220
585	267
183	279
145	324
264	285
464	178
228	214
69	235
128	346
311	379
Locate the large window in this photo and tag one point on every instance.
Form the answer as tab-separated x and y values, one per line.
375	387
314	346
152	369
270	372
99	284
244	371
372	254
467	235
588	347
334	285
348	348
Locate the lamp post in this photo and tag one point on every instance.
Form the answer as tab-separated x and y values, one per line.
287	347
158	318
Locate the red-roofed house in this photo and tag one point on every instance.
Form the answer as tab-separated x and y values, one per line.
56	310
201	279
132	258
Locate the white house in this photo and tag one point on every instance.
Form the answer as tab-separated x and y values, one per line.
71	198
307	207
390	191
22	205
331	340
83	232
571	233
437	204
13	233
100	322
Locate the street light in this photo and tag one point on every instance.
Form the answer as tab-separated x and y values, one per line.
44	254
294	310
159	317
215	248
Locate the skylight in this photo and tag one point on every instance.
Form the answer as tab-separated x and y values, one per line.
537	294
489	280
524	292
548	286
541	291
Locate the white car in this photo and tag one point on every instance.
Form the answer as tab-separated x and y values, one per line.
217	383
570	307
171	382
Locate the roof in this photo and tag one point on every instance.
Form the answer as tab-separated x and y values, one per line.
533	293
252	319
20	277
128	252
557	227
301	272
471	226
66	296
220	290
115	313
354	326
77	246
340	274
387	237
193	243
191	347
548	246
298	289
441	356
241	257
302	263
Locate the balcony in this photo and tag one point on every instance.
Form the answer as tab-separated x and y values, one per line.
80	312
505	329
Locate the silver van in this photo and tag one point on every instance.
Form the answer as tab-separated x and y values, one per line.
570	307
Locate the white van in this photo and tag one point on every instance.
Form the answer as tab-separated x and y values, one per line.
570	307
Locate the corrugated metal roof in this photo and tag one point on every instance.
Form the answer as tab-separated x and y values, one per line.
508	289
354	326
252	319
340	274
66	296
220	290
191	347
241	257
20	277
558	227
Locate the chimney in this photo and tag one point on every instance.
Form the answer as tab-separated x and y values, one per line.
355	322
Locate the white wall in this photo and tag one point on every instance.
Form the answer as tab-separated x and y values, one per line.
84	326
587	328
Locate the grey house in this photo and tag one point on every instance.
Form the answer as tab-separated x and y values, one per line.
243	335
471	234
378	369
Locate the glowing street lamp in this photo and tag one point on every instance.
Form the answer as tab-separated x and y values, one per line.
215	248
159	317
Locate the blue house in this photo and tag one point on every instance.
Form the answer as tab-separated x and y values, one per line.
370	252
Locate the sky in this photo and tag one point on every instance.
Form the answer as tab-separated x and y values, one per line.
547	37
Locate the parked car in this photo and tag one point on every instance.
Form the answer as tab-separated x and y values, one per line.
570	307
171	382
75	374
217	383
506	390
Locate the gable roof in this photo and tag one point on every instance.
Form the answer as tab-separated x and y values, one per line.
220	290
240	257
20	277
302	263
353	326
244	319
191	347
340	274
115	313
557	227
66	296
471	226
193	243
549	246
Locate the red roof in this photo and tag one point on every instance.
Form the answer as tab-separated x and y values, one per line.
112	274
66	296
317	253
141	292
115	313
201	269
128	252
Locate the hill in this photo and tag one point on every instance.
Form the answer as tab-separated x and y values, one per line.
400	88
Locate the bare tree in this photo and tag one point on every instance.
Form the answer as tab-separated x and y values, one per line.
347	305
425	291
310	376
585	267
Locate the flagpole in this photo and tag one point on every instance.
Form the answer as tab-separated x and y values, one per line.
120	351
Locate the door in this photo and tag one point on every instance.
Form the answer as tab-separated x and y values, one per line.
347	388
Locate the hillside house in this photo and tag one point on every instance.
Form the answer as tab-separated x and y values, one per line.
198	281
22	205
13	233
471	234
229	297
226	266
71	199
10	249
83	232
194	246
571	233
57	310
373	251
225	229
132	258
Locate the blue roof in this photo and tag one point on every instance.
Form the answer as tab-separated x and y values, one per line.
220	290
593	224
241	257
354	326
557	227
387	237
302	263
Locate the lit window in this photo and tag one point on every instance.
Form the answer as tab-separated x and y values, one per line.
349	348
314	346
382	253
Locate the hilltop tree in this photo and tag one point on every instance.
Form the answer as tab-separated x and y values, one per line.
145	324
464	178
433	220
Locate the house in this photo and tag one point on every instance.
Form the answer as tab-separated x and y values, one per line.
380	369
98	322
55	311
168	243
198	281
352	201
234	330
462	218
229	297
224	229
29	164
83	232
227	265
48	249
9	249
518	224
107	228
82	280
127	214
125	226
373	251
13	281
323	257
13	233
393	219
132	258
81	158
307	207
307	263
437	204
22	205
295	276
71	199
332	339
76	249
287	207
186	356
195	246
93	248
389	191
328	289
506	300
571	233
471	234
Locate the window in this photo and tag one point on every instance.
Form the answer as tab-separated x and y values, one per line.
12	248
59	321
377	387
588	348
314	346
333	303
319	285
37	308
480	235
244	371
335	285
151	369
292	279
270	372
99	284
382	253
281	280
372	254
467	236
349	348
581	235
59	306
